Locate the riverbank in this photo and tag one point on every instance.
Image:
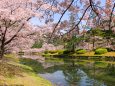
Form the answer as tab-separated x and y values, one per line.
91	54
14	71
70	71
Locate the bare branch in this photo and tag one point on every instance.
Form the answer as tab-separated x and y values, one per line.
111	17
7	42
61	18
79	20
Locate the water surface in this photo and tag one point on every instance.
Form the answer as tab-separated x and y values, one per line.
78	72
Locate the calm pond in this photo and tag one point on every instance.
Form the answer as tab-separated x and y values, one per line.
78	72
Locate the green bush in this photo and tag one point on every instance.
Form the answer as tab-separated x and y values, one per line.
60	51
46	52
109	49
52	51
81	51
66	52
101	51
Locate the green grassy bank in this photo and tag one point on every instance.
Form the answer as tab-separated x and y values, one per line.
13	72
88	53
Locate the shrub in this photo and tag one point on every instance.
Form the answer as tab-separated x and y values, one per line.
109	49
46	52
101	51
60	51
81	51
66	52
52	51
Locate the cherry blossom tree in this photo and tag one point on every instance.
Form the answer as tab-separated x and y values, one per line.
93	12
15	16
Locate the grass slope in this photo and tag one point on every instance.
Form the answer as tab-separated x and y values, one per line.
13	73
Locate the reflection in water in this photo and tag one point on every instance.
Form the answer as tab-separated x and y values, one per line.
71	73
79	78
56	78
77	72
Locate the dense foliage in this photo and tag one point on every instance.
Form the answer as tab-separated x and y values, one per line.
101	51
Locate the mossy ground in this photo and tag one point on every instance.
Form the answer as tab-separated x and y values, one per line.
13	73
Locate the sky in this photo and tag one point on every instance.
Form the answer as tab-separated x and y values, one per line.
36	21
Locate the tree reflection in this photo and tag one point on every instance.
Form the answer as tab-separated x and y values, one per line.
71	73
78	72
111	69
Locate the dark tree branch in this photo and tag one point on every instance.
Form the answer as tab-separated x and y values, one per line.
93	8
7	42
61	18
6	27
79	20
111	17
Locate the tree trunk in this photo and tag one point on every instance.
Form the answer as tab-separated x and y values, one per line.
93	44
73	47
2	51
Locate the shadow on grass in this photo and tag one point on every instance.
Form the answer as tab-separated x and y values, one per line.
10	70
34	64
